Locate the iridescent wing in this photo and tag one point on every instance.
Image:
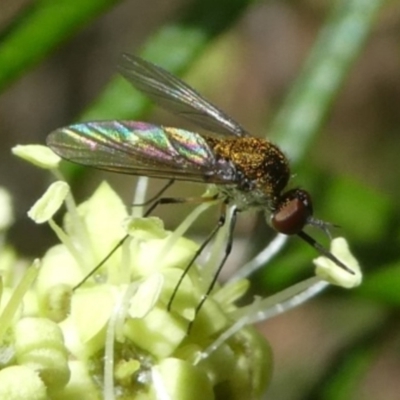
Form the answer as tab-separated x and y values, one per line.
176	96
139	148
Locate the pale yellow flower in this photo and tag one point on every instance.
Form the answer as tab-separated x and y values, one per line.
113	337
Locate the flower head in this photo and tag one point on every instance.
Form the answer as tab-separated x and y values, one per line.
114	336
93	319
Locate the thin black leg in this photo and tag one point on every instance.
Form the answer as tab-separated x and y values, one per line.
220	224
163	200
157	195
228	250
177	200
102	262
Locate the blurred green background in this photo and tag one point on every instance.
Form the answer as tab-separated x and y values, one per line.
322	79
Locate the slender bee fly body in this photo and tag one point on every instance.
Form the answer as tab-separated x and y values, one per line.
249	172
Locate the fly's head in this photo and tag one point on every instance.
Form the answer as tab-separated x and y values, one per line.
292	212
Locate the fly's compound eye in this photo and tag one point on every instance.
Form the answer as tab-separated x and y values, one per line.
293	212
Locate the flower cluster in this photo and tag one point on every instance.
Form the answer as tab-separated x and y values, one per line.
114	336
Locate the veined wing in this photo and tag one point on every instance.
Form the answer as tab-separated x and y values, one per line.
176	96
140	148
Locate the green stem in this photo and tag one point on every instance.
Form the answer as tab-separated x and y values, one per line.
339	43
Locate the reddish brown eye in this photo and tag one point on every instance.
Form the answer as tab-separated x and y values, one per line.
293	212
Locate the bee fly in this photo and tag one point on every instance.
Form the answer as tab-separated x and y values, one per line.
249	173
